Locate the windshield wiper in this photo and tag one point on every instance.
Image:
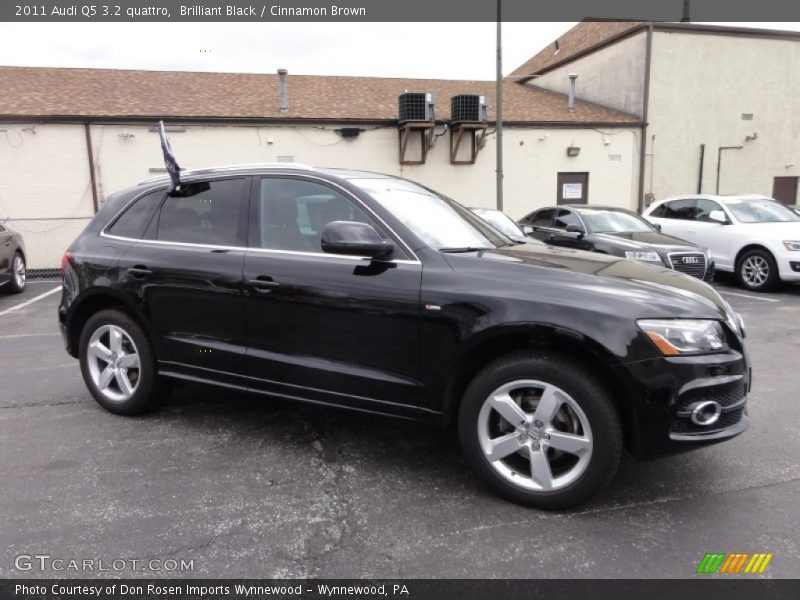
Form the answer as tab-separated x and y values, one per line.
457	249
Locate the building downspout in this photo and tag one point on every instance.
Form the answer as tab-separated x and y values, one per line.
700	174
499	111
645	107
90	156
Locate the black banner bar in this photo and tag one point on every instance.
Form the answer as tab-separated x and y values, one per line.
394	11
702	588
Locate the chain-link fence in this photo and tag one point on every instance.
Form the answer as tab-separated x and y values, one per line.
46	240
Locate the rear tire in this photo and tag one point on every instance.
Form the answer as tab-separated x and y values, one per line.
553	458
757	271
118	364
16	285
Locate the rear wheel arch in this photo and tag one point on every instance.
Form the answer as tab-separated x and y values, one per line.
581	349
93	302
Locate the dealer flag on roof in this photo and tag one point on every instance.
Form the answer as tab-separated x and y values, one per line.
169	158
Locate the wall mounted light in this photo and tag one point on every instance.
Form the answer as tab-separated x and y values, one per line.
573	151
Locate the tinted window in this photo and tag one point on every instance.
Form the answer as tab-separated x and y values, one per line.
566	217
704	208
680	209
292	213
134	220
543	218
208	213
659	211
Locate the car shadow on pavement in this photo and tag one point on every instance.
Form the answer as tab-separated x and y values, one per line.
378	450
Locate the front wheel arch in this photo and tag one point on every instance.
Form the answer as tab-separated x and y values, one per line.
774	277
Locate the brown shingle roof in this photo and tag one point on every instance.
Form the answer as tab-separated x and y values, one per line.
105	93
582	37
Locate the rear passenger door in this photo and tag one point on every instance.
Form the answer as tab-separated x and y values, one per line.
676	217
325	327
186	274
542	223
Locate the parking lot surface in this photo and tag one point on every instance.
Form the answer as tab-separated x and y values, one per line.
245	486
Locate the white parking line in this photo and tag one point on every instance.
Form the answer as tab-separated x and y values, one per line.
31	301
748	296
25	335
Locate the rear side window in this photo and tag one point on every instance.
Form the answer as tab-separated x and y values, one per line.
211	213
680	209
133	222
543	218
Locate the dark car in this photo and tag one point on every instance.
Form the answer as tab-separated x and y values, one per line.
373	293
502	222
12	261
617	232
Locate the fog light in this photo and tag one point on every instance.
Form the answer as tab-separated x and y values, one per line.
706	413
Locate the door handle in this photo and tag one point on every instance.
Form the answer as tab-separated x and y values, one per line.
140	271
6	243
263	284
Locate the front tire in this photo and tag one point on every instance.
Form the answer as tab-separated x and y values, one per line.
757	271
118	364
540	429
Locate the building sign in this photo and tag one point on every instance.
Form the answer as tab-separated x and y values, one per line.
572	191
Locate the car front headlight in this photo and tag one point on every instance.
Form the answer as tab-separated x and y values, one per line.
644	256
792	245
674	337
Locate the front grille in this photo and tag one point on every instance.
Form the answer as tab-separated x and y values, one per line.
732	399
691	263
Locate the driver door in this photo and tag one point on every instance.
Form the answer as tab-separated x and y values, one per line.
324	327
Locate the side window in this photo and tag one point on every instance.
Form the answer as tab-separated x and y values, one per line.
206	213
566	217
543	218
658	211
133	222
704	208
292	213
680	209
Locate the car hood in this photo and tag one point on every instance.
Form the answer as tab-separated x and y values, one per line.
787	230
659	292
640	239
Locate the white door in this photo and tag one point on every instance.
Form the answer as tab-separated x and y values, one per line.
676	217
713	235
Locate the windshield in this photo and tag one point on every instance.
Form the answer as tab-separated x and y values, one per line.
760	211
500	221
612	221
439	221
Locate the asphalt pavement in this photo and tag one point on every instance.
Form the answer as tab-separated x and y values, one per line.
243	486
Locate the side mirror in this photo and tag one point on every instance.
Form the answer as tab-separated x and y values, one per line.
657	226
354	238
527	229
573	228
718	216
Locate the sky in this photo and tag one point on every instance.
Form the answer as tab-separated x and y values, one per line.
419	50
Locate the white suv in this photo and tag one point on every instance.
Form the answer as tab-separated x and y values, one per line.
752	236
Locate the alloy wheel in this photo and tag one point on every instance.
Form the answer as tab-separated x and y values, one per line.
113	362
535	435
755	270
18	268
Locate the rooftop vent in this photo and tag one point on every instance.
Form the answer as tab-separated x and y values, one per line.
415	106
468	108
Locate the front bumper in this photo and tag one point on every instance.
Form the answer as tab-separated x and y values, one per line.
666	389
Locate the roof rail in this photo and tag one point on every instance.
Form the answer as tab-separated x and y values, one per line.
224	168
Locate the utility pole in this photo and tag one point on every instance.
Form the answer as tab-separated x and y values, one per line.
499	111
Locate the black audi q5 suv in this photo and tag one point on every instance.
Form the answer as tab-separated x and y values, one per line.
373	293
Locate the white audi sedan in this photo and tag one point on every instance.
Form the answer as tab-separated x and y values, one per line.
752	236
